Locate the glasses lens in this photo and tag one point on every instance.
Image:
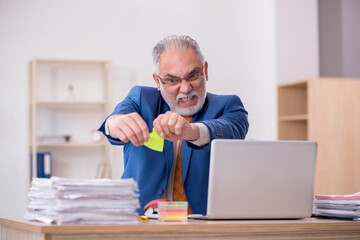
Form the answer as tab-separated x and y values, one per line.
193	77
172	81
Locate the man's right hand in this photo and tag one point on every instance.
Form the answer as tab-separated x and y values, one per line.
128	127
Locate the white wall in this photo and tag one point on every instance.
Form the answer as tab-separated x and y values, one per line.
297	39
237	38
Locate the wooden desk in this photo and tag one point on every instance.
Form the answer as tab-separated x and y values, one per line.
17	228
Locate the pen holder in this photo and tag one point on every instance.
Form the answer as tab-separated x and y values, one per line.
173	211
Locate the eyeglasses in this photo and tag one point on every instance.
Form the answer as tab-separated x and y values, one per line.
172	81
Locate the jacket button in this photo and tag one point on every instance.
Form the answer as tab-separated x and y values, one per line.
159	191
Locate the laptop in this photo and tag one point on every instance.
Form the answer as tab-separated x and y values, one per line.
261	179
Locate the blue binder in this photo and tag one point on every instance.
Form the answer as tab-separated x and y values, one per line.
43	165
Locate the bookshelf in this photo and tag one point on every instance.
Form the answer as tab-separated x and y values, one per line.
292	111
325	110
70	98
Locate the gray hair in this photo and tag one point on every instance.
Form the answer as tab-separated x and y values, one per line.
174	42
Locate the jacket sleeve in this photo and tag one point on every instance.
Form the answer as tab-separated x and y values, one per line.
128	105
232	123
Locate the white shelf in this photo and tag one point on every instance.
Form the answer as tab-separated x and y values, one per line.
299	117
70	103
70	61
61	104
72	144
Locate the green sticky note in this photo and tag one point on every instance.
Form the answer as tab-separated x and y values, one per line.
155	142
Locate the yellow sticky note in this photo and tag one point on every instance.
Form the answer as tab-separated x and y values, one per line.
155	142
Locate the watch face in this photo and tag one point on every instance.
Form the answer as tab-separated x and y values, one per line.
96	136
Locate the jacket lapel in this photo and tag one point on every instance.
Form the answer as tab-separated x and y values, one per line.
186	151
169	156
163	107
185	160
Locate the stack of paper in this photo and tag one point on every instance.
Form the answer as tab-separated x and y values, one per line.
341	206
92	201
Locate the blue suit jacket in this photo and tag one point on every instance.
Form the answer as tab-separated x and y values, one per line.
225	117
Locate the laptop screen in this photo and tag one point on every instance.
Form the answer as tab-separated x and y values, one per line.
261	179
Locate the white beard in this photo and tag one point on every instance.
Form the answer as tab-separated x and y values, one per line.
186	112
